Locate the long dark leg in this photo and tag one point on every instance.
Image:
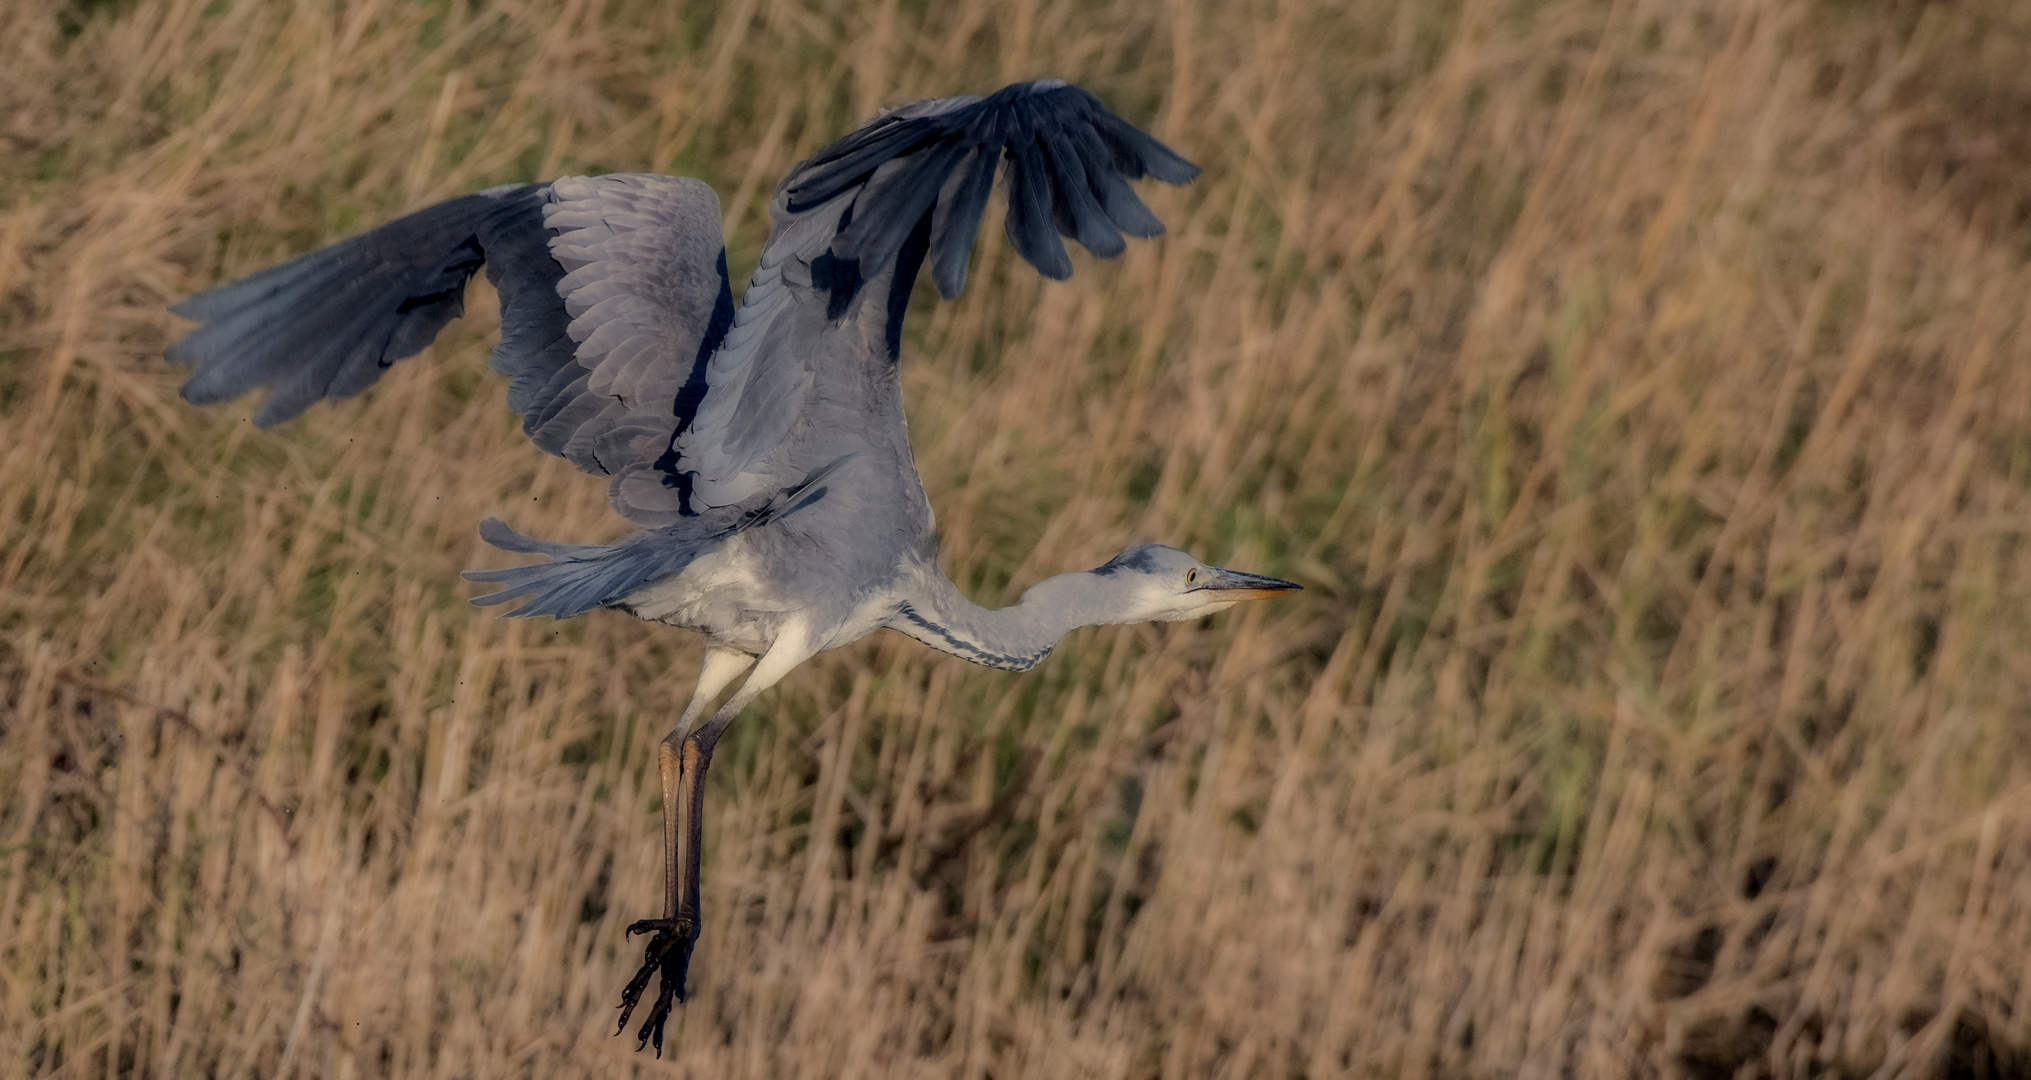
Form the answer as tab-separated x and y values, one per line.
669	951
681	759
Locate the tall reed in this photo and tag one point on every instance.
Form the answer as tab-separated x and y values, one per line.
1637	388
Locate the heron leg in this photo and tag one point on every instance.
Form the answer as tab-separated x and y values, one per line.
682	758
721	666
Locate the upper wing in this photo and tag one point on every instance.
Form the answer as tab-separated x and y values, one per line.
613	291
853	225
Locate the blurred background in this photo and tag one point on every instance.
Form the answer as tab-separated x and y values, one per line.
1637	388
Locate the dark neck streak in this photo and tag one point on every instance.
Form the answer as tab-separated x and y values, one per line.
1011	638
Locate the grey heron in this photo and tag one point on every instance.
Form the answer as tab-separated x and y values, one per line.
761	447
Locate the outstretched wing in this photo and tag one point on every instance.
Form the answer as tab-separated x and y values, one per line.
853	225
613	291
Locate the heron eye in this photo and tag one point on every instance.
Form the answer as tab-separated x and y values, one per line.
1191	575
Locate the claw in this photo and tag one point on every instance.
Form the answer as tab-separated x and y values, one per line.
650	926
668	954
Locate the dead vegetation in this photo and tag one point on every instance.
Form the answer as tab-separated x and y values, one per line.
1637	387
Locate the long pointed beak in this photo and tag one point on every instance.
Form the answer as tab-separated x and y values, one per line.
1235	585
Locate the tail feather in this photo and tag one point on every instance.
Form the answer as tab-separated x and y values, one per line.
581	577
498	533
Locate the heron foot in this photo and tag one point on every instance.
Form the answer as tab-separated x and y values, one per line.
668	953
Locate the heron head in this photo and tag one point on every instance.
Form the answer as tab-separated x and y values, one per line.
1167	585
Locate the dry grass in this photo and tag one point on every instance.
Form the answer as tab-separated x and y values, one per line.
1638	388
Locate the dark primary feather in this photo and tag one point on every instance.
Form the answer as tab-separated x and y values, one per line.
869	210
328	324
1029	226
613	293
956	219
1069	161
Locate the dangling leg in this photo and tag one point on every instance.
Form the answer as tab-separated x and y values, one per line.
720	667
682	759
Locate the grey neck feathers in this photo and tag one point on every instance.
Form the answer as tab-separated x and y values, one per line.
1013	638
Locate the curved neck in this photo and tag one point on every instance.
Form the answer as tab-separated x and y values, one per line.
1015	638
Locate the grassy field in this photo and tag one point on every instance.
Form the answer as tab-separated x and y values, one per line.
1638	388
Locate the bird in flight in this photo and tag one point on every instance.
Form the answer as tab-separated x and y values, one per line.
762	448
